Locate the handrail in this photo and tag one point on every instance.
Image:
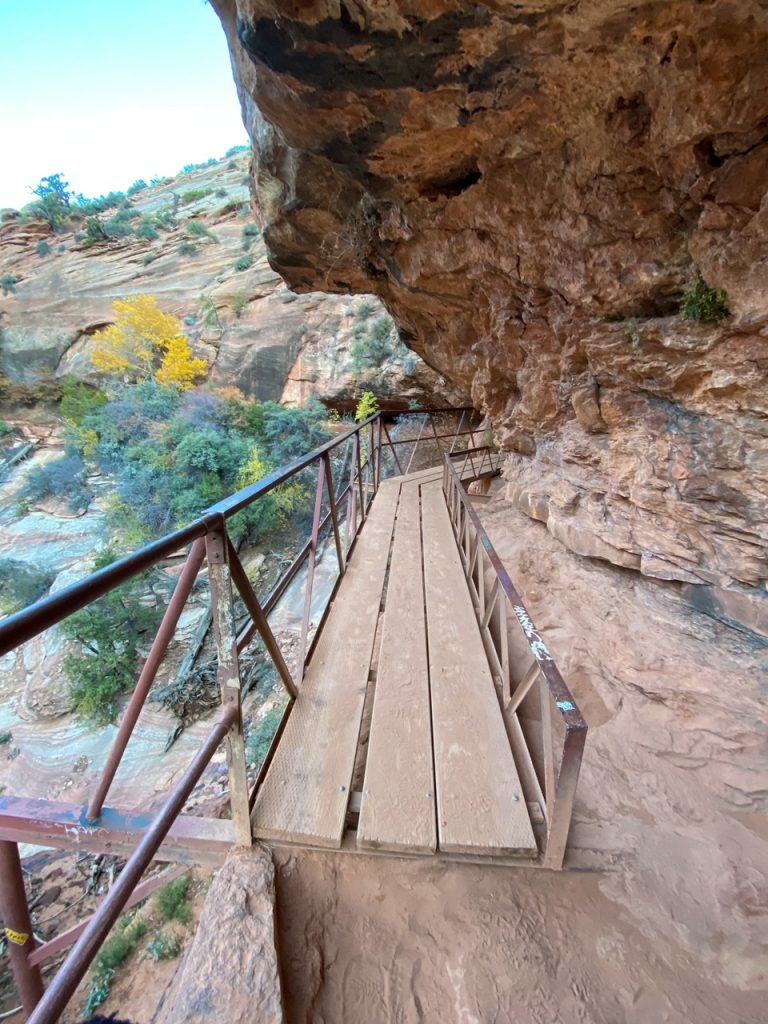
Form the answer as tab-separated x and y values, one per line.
557	796
79	958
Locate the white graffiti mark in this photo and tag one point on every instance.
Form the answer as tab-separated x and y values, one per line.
538	647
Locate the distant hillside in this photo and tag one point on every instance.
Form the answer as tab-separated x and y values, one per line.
193	242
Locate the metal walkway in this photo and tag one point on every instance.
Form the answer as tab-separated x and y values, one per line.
401	640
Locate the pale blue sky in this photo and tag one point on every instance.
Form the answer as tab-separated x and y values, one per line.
106	93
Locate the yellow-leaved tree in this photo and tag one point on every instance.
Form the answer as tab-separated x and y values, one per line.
145	342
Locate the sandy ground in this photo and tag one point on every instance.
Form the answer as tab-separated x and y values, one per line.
663	915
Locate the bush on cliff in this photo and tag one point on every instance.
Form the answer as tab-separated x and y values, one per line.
63	478
109	635
21	585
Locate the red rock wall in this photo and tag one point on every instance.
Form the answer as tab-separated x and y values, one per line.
530	188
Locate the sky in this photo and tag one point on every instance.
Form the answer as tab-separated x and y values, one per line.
106	93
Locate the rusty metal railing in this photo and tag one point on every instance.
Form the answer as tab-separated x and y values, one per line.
349	470
549	781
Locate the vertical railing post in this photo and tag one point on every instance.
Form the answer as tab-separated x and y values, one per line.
18	927
560	804
334	511
304	641
359	465
229	676
378	452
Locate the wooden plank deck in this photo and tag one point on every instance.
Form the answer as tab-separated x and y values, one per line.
439	772
480	803
398	802
305	793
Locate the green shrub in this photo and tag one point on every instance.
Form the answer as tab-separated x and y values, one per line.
367	406
702	303
173	900
234	150
138	186
94	232
243	262
79	400
21	585
197	229
8	283
221	193
120	226
250	234
113	954
109	633
187	249
61	478
194	194
260	736
6	430
365	309
147	228
44	248
164	947
239	303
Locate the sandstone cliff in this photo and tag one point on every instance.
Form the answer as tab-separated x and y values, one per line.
533	189
58	291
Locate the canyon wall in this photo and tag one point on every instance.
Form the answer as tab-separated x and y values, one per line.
534	190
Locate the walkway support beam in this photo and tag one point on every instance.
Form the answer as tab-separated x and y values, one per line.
18	927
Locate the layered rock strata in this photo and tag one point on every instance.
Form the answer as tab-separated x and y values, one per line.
532	189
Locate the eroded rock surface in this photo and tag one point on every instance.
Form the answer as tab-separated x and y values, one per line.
531	188
230	972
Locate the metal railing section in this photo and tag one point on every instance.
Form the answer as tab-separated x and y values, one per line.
553	786
349	469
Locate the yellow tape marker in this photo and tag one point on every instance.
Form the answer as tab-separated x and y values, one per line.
17	938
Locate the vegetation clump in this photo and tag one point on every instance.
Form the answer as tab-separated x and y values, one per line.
243	262
173	900
8	283
704	304
110	633
250	234
112	955
194	194
63	478
197	229
366	407
21	585
260	736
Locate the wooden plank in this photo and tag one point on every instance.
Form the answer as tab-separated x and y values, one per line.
421	475
475	775
305	793
398	803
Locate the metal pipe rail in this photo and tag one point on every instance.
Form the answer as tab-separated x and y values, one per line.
82	954
553	788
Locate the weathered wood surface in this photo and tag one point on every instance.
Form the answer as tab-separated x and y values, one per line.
398	800
305	793
480	802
